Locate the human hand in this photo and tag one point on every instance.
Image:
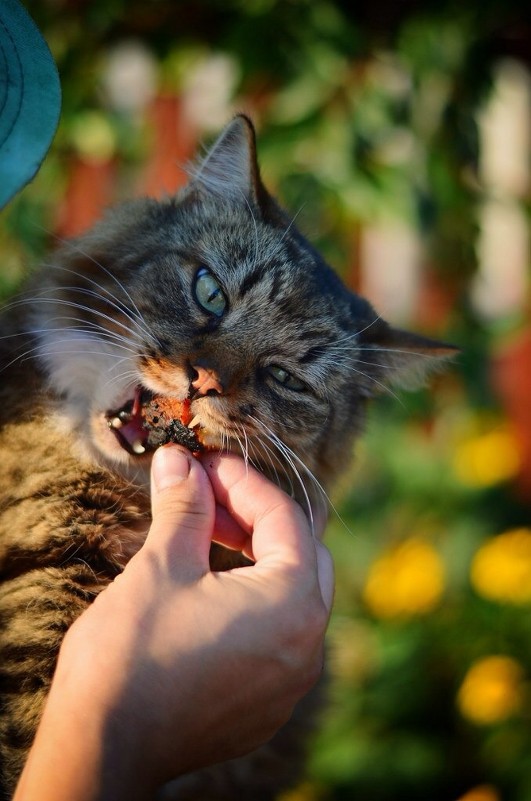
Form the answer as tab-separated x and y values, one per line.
174	667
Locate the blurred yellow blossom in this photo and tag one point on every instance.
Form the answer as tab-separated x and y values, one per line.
353	650
406	580
483	792
304	792
488	458
501	568
492	690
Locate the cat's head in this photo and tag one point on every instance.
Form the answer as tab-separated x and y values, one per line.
216	296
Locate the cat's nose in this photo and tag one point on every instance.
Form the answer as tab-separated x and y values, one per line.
206	382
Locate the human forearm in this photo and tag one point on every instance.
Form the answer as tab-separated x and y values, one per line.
76	755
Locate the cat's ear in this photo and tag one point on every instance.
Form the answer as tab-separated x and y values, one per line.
408	359
230	168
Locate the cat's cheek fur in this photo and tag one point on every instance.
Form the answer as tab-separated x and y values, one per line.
87	378
165	378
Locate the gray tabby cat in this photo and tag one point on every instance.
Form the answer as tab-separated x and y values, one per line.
212	296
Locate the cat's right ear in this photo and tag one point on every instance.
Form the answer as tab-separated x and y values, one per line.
230	168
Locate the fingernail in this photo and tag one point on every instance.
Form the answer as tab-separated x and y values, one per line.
171	465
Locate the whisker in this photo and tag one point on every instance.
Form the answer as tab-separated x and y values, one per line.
38	349
99	334
288	454
44	297
90	334
75	247
272	457
114	303
127	374
292	222
322	494
255	224
74	305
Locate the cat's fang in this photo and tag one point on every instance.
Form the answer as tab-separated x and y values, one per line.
194	422
127	424
137	447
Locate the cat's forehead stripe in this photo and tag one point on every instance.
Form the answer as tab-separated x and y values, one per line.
312	354
251	279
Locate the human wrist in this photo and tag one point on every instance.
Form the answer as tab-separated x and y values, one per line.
82	750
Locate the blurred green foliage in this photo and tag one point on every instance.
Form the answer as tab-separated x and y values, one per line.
367	112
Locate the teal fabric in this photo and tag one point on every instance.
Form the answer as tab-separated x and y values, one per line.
30	99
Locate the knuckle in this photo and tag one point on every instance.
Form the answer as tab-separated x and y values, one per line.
311	676
176	509
303	638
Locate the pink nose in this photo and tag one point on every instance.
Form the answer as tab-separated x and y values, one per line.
207	381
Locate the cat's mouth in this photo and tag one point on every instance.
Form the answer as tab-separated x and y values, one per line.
146	421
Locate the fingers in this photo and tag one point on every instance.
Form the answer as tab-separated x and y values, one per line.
183	508
280	531
325	575
228	501
228	533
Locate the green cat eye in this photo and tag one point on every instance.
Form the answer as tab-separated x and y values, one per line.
282	376
208	293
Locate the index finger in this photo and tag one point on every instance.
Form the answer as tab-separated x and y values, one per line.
279	528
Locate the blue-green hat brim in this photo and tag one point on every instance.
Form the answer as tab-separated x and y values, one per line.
30	99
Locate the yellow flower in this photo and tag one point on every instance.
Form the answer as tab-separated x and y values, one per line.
492	690
304	792
501	568
406	580
488	458
483	792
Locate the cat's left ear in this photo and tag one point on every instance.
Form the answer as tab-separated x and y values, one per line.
230	168
407	359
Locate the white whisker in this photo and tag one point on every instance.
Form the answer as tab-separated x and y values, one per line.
75	247
74	305
292	222
291	458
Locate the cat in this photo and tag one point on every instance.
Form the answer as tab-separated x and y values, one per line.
213	296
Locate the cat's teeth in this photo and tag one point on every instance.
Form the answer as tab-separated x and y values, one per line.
116	422
137	447
194	422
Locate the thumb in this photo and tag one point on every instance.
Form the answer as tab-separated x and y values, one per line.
183	508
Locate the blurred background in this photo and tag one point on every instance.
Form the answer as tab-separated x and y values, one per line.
399	133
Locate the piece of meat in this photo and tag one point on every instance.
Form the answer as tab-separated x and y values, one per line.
166	420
